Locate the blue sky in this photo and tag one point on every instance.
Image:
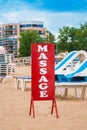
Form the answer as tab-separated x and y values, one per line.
54	13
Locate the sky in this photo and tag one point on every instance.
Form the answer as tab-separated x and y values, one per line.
54	13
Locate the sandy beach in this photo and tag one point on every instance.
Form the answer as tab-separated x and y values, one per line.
14	109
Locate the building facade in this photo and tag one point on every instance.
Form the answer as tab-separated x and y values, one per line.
10	33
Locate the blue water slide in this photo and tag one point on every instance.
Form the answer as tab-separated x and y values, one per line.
82	67
65	60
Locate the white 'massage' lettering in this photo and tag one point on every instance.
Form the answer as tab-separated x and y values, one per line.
42	56
43	71
43	63
43	86
43	79
43	94
40	48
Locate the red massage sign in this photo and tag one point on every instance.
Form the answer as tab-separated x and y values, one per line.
43	72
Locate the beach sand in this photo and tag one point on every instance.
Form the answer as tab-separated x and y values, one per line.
14	109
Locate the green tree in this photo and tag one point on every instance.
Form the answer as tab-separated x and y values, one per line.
83	37
51	37
26	39
63	39
70	38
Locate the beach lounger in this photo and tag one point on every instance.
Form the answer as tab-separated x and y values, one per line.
75	85
3	71
2	76
6	71
20	81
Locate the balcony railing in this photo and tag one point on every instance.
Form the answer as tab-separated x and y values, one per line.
9	29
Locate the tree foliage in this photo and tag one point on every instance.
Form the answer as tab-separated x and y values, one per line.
51	38
71	38
26	39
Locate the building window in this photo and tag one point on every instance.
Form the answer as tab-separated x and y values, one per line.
15	26
40	32
22	26
28	25
40	25
34	25
37	25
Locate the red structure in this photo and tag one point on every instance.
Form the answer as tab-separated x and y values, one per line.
43	75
